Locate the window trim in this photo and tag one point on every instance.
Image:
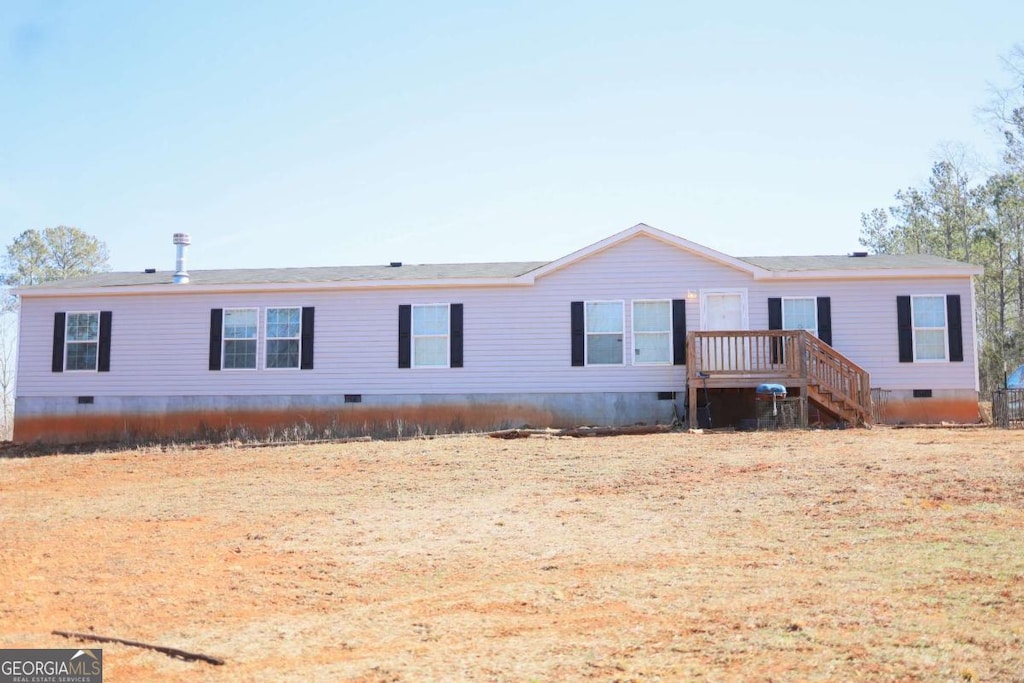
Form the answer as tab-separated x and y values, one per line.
634	333
413	336
267	338
814	307
67	343
587	333
945	329
224	338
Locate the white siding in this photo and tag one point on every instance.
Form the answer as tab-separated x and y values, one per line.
517	339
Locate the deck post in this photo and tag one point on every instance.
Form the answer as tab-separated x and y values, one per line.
691	373
692	387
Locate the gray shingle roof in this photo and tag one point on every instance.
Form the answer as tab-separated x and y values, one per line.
450	271
326	274
870	262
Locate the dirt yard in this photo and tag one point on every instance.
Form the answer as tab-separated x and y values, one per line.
884	555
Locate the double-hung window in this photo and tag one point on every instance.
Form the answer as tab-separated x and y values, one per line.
237	340
283	333
929	316
82	341
241	326
430	335
800	313
604	332
652	332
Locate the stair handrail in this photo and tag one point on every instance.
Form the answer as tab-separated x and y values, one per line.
837	374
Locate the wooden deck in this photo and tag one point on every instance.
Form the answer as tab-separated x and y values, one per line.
794	358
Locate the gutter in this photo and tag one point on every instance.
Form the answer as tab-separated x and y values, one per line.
525	280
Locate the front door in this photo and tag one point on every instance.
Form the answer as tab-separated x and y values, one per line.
724	310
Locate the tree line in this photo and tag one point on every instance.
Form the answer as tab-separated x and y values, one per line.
977	218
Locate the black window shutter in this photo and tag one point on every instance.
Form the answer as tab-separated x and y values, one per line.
59	321
905	328
775	323
825	319
954	327
405	336
578	333
774	313
103	353
455	323
306	344
216	330
678	332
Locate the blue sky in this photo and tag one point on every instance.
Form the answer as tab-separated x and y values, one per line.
319	133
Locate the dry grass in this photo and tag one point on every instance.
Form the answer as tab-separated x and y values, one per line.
860	555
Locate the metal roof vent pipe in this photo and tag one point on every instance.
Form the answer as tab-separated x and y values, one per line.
181	241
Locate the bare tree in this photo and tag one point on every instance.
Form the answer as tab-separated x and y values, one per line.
8	362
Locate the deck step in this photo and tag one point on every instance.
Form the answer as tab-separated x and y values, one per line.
840	409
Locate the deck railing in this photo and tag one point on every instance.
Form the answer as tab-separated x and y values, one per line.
781	355
743	352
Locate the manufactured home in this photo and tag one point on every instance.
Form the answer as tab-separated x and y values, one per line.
641	327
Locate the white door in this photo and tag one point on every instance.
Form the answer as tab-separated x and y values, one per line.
724	310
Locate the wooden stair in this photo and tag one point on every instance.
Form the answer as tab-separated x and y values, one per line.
835	384
744	358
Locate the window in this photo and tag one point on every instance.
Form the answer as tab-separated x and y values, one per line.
430	335
235	338
800	314
929	316
240	330
430	331
813	314
284	332
604	332
652	332
82	341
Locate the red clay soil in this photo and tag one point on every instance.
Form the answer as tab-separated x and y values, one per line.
892	555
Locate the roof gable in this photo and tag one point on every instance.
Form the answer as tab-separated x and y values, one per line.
659	235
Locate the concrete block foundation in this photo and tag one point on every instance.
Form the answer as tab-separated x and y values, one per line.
943	405
67	419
